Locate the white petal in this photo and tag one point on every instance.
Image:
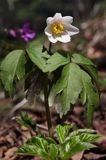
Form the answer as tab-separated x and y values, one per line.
71	30
57	15
67	19
64	38
52	39
48	31
49	20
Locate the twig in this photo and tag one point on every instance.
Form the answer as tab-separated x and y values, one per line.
16	107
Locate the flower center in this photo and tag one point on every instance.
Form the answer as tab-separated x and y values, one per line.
57	28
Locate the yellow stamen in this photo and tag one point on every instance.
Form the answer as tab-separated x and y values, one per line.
57	28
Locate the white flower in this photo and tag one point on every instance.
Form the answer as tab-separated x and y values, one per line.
60	29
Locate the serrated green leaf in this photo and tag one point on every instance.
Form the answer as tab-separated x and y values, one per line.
73	82
33	150
92	102
85	135
72	147
62	132
70	86
26	121
34	50
78	147
75	143
80	131
53	151
87	64
55	61
11	66
83	141
40	142
92	72
89	95
30	150
89	137
80	59
39	146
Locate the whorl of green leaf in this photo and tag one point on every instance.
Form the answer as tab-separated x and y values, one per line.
76	83
69	144
43	60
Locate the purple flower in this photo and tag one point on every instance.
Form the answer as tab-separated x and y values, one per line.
26	33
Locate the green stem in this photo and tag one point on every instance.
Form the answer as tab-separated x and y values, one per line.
46	96
48	115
